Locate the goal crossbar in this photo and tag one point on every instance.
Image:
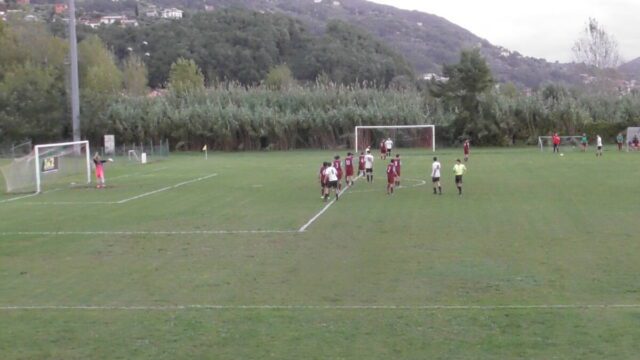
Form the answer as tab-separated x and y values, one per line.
37	149
432	127
562	138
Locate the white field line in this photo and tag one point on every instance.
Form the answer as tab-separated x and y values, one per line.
18	198
28	196
69	202
120	201
320	307
166	188
186	232
325	208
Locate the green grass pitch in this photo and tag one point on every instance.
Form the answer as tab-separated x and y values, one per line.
160	266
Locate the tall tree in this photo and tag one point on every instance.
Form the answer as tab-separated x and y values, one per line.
98	71
135	76
467	80
596	47
279	78
185	75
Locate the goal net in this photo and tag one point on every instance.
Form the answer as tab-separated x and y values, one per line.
49	166
633	138
566	142
403	136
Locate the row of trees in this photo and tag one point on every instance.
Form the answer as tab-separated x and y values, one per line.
234	117
279	112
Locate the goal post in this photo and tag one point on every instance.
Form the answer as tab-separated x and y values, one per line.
633	138
547	141
402	135
59	164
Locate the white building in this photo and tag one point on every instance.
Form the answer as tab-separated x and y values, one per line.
111	19
171	13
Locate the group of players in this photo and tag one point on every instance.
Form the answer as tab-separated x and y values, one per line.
331	173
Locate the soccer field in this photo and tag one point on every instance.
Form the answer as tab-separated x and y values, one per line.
185	258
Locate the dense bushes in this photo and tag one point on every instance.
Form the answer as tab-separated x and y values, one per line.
233	117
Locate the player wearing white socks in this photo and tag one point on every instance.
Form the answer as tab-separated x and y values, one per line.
435	176
368	166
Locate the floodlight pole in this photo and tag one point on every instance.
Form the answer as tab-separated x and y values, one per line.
75	88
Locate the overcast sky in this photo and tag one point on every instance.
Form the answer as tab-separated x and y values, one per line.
539	28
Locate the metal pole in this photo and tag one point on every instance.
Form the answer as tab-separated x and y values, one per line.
75	88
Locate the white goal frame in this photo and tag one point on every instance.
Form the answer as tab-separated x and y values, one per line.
562	139
433	132
631	132
44	146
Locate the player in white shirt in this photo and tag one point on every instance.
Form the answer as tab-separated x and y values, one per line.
435	176
332	181
389	145
368	166
598	145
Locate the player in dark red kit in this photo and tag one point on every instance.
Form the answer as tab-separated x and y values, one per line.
466	146
391	177
348	169
361	164
383	150
397	163
323	179
338	165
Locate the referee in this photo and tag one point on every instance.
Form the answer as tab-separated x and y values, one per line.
458	170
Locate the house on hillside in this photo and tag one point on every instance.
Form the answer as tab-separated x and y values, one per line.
119	19
149	10
171	13
435	77
112	19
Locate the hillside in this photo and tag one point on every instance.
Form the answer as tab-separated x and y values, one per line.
631	69
427	41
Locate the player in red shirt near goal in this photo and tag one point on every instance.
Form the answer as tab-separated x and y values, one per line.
338	165
391	177
348	169
383	150
466	146
556	143
361	164
323	179
397	163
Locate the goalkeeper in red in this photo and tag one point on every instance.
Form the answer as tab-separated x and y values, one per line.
99	163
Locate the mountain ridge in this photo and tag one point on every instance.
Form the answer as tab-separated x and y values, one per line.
426	41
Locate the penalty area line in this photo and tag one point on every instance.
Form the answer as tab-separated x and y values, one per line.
28	196
325	208
165	188
185	232
320	307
